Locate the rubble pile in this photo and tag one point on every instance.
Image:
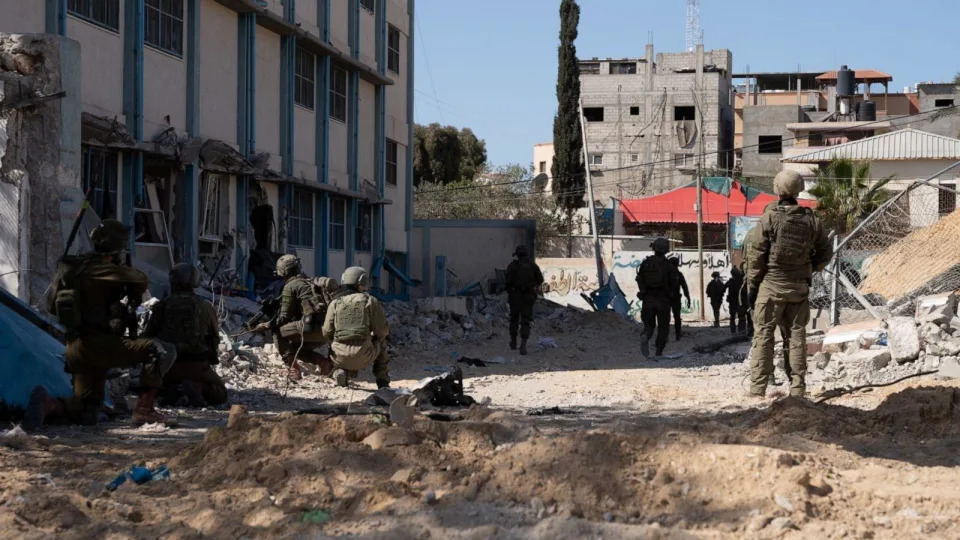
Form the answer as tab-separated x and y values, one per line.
883	352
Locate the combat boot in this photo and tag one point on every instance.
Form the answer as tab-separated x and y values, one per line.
41	408
513	342
659	352
523	346
679	333
145	413
340	376
323	363
645	346
383	383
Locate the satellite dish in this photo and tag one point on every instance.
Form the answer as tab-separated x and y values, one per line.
540	181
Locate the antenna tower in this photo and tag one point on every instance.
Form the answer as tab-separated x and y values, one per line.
694	33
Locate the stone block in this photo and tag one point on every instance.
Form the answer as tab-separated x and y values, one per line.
867	360
950	347
840	336
904	339
444	304
938	308
949	367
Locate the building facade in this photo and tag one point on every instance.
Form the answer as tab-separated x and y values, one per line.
244	127
650	120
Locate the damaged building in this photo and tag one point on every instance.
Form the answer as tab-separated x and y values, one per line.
224	131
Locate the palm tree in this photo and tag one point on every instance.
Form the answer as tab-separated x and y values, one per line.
846	194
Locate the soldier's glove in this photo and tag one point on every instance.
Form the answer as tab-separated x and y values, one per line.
260	328
752	297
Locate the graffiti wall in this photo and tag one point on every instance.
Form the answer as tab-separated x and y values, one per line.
566	279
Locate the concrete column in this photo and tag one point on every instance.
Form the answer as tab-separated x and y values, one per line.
191	173
408	221
56	17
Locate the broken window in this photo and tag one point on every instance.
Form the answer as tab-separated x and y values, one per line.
214	200
163	25
634	158
596	159
104	13
304	78
338	94
683	161
943	103
391	162
623	68
593	114
948	199
634	111
362	239
771	144
100	171
338	223
589	68
368	5
685	112
300	228
815	139
393	49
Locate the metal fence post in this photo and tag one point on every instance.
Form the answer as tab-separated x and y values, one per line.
834	308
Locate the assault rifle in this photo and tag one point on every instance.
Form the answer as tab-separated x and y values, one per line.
266	317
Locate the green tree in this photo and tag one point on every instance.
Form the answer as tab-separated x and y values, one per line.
567	169
846	194
473	154
445	154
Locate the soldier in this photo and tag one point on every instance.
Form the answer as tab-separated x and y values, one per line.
357	328
656	282
192	325
737	312
715	293
302	311
675	299
790	245
86	297
523	284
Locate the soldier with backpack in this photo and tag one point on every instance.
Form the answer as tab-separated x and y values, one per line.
192	325
303	307
656	284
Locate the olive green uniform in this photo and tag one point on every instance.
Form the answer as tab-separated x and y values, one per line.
523	281
98	344
788	246
301	314
191	324
356	326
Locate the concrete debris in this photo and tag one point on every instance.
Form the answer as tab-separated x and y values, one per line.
904	339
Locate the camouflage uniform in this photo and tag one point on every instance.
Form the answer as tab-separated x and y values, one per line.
356	326
788	246
523	282
656	285
299	319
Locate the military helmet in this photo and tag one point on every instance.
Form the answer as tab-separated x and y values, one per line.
521	251
715	275
110	237
788	183
675	261
355	275
660	245
288	265
184	275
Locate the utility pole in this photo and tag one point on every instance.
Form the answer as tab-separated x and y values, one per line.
700	238
593	213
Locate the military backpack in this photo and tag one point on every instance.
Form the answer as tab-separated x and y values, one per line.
351	318
67	302
182	325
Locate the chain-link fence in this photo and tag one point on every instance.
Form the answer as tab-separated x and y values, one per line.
907	248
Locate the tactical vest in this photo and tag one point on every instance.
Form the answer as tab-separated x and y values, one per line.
653	273
182	326
525	279
791	238
68	304
351	319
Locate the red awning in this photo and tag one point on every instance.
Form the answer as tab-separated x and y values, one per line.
678	206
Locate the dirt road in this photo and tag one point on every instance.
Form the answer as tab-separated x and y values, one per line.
661	450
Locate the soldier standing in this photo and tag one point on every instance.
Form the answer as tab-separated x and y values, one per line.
788	247
87	297
191	324
675	298
523	283
715	293
302	311
737	311
356	326
654	290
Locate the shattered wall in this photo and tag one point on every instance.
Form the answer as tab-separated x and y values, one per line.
39	154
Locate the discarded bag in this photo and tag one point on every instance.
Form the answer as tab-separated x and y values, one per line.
139	476
444	390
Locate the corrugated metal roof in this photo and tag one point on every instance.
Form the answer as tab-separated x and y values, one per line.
902	144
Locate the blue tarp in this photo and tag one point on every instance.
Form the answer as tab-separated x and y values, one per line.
29	357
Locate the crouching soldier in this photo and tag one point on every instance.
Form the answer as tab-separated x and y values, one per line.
356	326
191	324
86	296
303	306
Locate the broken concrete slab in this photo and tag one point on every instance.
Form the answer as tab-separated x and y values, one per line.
938	309
949	367
950	347
838	337
450	304
392	436
867	360
903	338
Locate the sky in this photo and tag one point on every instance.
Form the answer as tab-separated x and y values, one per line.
491	65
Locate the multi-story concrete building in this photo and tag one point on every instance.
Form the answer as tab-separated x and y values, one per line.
244	126
649	121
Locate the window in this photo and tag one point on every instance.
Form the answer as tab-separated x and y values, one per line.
815	139
367	5
634	158
338	94
362	240
391	162
338	223
104	13
685	112
300	230
943	103
163	25
593	114
948	199
596	159
634	111
543	167
393	49
683	160
99	169
623	68
214	195
589	68
771	144
304	79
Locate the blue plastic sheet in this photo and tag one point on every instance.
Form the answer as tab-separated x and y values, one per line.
29	357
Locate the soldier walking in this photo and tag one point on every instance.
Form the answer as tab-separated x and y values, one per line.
675	297
523	282
654	289
715	293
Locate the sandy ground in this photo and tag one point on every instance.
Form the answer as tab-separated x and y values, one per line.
639	449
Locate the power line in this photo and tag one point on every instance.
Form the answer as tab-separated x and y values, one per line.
426	59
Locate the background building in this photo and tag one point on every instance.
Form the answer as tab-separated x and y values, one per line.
245	127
